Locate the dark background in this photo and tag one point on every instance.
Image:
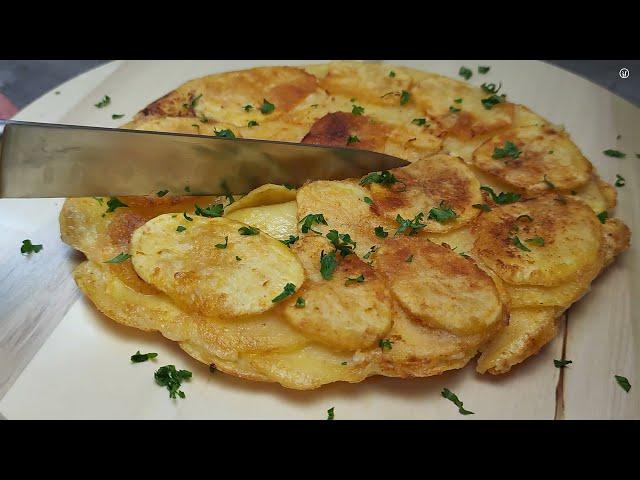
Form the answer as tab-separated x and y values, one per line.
22	81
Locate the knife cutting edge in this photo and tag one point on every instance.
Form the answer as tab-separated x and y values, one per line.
42	160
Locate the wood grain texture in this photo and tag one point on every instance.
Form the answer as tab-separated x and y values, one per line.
601	336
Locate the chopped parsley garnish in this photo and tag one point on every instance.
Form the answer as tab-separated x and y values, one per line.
187	217
548	183
252	123
419	121
162	193
537	241
465	73
238	258
385	343
491	87
342	242
482	70
352	139
383	178
28	247
368	254
561	363
193	103
227	192
508	150
482	206
358	279
458	100
392	74
210	211
367	200
116	116
267	107
464	255
106	100
289	289
449	395
142	357
101	201
357	110
442	213
454	109
614	153
222	246
248	231
602	216
330	414
113	203
226	133
516	241
121	257
410	226
171	378
502	198
404	97
248	108
379	231
489	102
328	264
300	303
288	186
291	240
623	382
308	221
187	189
620	181
180	228
409	259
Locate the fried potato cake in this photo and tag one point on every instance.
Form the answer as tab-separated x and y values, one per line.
407	273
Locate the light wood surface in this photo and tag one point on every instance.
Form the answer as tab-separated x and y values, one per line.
601	335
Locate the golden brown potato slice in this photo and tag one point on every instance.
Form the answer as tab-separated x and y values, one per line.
349	311
279	220
440	183
535	158
211	266
528	331
617	238
439	287
268	194
599	195
544	241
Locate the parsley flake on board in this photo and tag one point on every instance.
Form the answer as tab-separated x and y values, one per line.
248	231
352	139
308	221
508	150
328	264
620	181
171	378
116	116
404	97
602	216
449	395
113	203
222	246
614	153
142	357
379	231
410	226
342	242
162	193
180	229
502	198
483	70
28	248
385	343
106	100
351	281
121	257
442	213
357	110
561	363
291	240
465	73
330	414
623	382
288	290
267	107
210	211
300	303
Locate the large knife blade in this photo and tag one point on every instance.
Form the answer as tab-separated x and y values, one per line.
50	160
